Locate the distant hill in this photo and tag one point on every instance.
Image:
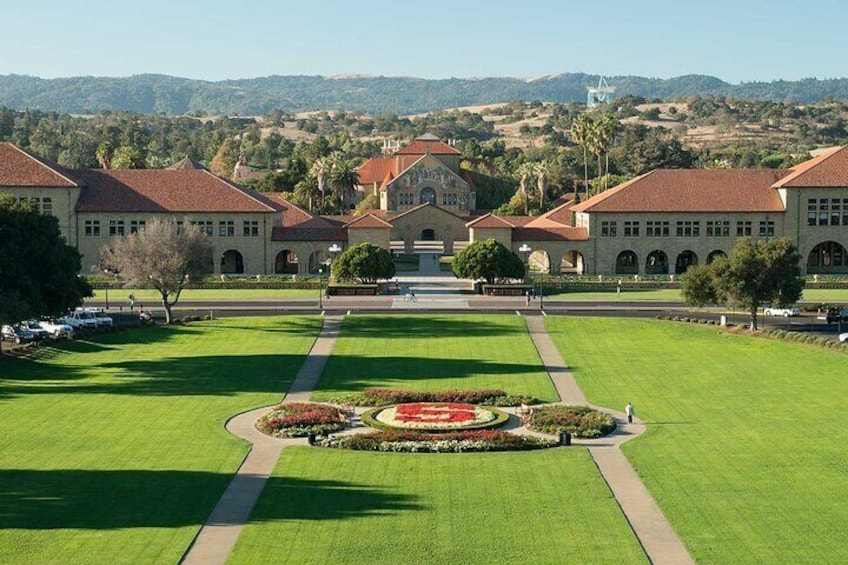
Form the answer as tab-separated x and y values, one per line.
148	94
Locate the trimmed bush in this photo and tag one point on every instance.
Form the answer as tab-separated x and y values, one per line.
299	419
402	441
384	397
581	421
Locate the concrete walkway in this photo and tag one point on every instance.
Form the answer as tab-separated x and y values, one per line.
658	539
221	530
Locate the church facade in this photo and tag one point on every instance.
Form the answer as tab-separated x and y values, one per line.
656	224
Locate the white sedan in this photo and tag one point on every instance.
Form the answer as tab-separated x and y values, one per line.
843	338
782	311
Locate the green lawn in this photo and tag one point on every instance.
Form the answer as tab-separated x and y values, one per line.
119	297
435	352
326	506
673	294
113	449
746	446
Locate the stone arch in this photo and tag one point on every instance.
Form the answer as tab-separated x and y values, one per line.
827	257
540	261
572	263
232	262
627	263
286	263
427	195
685	259
656	263
428	234
715	255
316	260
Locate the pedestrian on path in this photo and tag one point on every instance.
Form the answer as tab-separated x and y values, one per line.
629	411
527	297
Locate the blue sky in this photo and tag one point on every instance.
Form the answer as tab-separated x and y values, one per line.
733	40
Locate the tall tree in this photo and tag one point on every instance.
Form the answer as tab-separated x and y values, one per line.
364	263
525	172
39	272
164	256
580	132
755	274
542	169
320	171
489	260
343	179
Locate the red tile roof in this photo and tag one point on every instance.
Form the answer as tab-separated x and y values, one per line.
308	234
368	221
830	169
560	215
21	168
550	234
692	190
144	190
389	178
423	147
376	169
489	221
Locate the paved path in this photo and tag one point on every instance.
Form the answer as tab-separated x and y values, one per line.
221	530
658	539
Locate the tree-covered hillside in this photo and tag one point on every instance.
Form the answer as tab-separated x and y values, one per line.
147	94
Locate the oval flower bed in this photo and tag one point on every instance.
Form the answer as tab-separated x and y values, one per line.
403	441
580	421
434	416
299	419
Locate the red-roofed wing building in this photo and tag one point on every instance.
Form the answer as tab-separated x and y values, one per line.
659	223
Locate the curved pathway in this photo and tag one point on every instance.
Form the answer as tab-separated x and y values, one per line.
658	538
219	533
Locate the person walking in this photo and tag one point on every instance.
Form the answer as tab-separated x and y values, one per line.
527	297
132	301
629	411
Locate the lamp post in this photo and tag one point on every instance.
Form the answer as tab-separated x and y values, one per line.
525	253
320	288
108	272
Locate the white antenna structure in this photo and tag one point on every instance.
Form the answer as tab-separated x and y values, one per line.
600	94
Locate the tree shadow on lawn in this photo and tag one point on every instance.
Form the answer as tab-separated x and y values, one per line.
211	375
418	326
104	500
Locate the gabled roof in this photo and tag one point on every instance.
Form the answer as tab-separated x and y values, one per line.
830	169
145	190
389	178
489	221
376	169
187	163
368	221
692	190
423	146
557	217
22	168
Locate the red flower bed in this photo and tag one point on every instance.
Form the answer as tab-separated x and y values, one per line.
449	442
299	419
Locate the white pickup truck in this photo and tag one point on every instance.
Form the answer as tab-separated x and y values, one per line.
101	318
56	328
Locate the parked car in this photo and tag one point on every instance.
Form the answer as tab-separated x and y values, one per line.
56	328
35	328
843	337
81	320
17	334
785	311
101	318
836	315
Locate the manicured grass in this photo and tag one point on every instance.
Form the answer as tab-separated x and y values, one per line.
327	506
113	449
745	448
120	296
435	352
674	295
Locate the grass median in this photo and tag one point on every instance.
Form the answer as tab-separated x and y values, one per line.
744	452
113	448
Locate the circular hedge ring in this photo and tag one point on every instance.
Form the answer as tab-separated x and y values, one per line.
581	421
434	416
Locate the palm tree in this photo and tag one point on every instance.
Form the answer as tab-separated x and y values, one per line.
580	128
541	169
104	154
343	178
320	171
306	191
606	127
525	172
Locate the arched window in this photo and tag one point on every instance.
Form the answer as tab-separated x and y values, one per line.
657	263
428	195
685	260
232	263
627	263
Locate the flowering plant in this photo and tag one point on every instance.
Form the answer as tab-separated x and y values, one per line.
299	419
385	396
434	416
407	441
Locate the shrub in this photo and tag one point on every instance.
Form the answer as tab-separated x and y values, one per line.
384	397
581	421
299	419
402	441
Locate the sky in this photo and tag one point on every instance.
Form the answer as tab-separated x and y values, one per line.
740	40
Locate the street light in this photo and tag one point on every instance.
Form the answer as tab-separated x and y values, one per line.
525	252
108	272
320	288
